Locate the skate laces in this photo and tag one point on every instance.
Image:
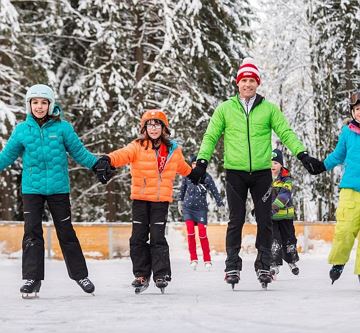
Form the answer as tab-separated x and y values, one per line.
232	273
29	282
84	282
141	279
263	272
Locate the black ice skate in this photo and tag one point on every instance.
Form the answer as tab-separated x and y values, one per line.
335	272
294	269
30	289
140	284
232	277
264	277
162	283
86	285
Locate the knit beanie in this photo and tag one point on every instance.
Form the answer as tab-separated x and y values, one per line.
277	156
248	69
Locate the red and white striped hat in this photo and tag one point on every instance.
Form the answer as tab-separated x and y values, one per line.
248	69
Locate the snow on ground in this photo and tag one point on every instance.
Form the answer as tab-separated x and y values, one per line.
195	301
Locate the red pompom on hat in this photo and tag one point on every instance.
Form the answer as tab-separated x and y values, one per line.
248	69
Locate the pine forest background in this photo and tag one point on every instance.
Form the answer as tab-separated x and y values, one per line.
109	60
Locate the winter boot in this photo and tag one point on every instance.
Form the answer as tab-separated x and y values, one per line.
30	288
86	285
335	272
294	269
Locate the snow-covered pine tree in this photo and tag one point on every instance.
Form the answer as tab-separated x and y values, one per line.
176	55
335	54
282	48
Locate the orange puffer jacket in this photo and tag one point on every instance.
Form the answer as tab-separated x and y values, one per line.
146	181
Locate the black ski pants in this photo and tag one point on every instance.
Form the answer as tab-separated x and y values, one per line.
284	242
33	240
237	185
149	221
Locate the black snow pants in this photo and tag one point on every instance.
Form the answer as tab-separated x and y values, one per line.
33	241
149	219
284	242
237	185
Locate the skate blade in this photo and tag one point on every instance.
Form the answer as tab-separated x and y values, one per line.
33	295
139	290
264	285
162	290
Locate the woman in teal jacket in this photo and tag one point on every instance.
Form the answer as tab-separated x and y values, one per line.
44	141
347	153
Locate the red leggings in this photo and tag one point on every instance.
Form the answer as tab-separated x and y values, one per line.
190	226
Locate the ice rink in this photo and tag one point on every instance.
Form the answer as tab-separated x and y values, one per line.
195	301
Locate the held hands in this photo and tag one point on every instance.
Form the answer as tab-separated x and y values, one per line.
198	172
103	169
311	164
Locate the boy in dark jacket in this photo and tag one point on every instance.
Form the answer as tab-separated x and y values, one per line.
282	210
194	207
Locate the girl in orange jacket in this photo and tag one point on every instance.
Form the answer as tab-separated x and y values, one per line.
154	160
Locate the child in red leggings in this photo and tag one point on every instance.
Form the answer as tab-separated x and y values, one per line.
193	206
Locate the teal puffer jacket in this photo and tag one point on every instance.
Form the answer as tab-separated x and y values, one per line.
44	154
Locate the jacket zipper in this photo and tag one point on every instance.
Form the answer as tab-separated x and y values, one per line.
159	173
248	134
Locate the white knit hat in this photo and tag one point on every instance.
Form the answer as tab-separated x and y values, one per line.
248	69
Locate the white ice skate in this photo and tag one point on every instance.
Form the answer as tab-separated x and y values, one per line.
193	264
208	265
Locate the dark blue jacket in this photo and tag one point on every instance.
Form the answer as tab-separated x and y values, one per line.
194	196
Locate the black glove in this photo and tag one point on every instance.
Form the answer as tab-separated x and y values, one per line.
198	172
311	164
104	170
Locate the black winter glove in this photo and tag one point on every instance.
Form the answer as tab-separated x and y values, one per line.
311	164
103	169
198	172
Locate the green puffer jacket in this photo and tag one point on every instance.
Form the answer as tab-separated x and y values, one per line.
247	138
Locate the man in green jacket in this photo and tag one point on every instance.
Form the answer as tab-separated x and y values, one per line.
247	121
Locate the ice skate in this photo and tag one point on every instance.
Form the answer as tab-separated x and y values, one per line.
161	283
193	264
86	285
30	289
208	265
140	284
274	270
335	272
264	277
294	269
232	277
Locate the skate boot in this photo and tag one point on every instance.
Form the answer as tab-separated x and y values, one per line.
294	269
232	277
30	289
208	265
86	285
335	272
274	270
140	284
162	283
264	277
193	264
